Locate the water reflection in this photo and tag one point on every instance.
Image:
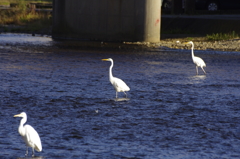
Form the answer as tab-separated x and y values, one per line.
24	39
121	99
197	79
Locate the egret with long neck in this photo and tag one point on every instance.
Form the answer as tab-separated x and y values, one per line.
118	84
197	60
29	134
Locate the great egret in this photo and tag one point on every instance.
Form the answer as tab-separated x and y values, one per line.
118	84
29	134
197	60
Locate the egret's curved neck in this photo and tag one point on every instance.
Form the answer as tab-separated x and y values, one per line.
192	50
21	130
110	71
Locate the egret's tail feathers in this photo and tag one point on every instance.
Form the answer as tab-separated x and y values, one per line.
38	148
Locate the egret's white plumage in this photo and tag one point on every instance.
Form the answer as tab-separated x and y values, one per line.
118	84
29	134
197	60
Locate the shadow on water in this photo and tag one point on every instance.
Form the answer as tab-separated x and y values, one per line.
170	112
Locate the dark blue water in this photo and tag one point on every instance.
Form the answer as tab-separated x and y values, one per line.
171	112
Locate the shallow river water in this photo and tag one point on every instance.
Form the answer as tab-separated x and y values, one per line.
169	113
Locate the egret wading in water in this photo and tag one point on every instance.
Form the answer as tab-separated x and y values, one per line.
118	84
197	60
29	134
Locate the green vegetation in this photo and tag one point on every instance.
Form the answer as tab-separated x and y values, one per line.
189	38
221	36
4	2
7	2
28	20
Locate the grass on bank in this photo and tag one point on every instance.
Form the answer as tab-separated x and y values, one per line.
29	21
7	2
222	36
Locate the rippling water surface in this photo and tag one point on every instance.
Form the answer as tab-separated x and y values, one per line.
170	113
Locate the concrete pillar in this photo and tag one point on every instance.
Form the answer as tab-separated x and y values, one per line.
107	20
152	21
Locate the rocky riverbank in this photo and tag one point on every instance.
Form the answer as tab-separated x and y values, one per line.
200	43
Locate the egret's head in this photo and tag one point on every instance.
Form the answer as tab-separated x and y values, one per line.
109	59
189	42
23	114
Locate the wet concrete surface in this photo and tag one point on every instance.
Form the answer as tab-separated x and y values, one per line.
170	113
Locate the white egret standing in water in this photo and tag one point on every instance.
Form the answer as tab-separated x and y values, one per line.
197	60
29	134
118	84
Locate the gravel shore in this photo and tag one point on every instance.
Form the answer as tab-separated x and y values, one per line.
200	43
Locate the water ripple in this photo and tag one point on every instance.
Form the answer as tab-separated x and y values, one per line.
169	113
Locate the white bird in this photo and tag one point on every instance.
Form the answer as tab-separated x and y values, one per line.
118	84
197	60
29	134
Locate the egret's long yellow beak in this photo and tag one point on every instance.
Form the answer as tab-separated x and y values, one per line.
186	43
105	59
18	115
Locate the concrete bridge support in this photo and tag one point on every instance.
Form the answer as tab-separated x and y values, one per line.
107	20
